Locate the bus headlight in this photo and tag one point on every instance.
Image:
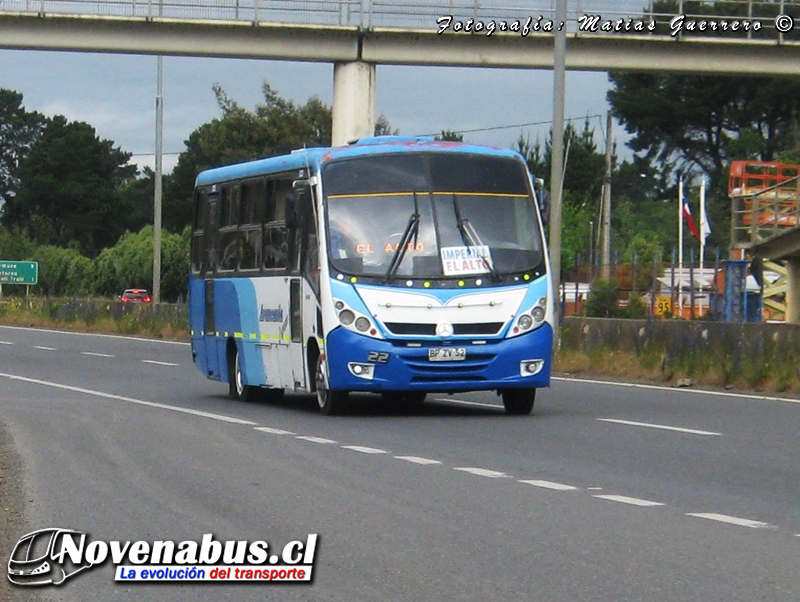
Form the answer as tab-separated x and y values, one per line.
530	319
355	320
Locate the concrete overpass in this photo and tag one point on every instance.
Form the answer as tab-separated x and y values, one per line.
357	35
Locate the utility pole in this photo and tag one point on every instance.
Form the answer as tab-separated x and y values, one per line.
607	203
557	157
157	194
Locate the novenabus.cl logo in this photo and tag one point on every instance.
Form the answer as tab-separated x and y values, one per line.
49	556
39	559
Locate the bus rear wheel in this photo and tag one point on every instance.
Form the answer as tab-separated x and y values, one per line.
330	403
236	387
519	402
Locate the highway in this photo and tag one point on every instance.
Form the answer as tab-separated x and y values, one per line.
606	493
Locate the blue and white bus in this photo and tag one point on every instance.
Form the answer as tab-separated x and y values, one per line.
401	266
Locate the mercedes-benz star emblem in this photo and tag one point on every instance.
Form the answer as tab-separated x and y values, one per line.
444	329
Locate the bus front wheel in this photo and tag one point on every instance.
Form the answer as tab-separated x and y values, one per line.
330	402
519	402
236	387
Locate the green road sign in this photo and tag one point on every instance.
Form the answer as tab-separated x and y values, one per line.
19	272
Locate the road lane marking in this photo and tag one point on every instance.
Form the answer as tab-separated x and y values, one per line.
483	472
364	450
93	354
142	402
468	403
314	439
96	334
633	501
549	485
274	431
418	460
159	363
6	343
732	520
663	427
590	381
42	347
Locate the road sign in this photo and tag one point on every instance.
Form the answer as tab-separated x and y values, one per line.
663	305
19	272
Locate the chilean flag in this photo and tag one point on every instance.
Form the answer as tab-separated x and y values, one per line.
687	214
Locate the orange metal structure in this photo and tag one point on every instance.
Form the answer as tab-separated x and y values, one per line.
766	199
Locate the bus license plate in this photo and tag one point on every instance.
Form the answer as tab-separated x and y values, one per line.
447	354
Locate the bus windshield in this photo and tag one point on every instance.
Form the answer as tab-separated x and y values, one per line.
431	215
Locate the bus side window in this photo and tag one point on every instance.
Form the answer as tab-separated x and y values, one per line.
276	244
228	231
250	224
211	242
198	230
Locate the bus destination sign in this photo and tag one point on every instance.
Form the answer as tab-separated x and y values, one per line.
19	272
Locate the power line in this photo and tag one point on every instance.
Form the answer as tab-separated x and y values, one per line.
516	125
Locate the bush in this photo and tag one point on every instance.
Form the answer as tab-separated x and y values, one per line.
602	301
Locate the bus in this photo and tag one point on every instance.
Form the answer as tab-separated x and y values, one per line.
401	266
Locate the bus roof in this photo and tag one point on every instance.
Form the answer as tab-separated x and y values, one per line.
314	157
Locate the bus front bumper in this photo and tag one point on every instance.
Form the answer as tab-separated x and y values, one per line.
360	363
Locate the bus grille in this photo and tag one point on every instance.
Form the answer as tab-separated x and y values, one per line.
478	328
471	369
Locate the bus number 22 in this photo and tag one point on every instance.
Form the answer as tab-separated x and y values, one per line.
378	357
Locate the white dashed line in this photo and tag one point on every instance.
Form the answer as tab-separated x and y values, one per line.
418	460
732	520
6	343
633	501
273	431
96	354
159	363
483	472
660	426
673	389
141	402
45	348
314	439
550	485
364	450
468	403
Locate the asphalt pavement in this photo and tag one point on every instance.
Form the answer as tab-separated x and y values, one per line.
608	492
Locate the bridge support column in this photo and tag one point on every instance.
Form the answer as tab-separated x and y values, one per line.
353	101
793	290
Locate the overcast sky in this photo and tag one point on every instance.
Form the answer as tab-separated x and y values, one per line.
116	95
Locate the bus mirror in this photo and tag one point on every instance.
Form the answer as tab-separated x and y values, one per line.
294	202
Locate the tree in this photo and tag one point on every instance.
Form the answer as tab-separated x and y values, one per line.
450	136
699	124
384	128
19	131
67	194
583	170
129	264
276	127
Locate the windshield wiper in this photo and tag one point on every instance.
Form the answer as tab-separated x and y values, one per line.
412	228
470	237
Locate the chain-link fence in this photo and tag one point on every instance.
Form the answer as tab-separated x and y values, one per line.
719	289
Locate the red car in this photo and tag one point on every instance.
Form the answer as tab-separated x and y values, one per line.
136	295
